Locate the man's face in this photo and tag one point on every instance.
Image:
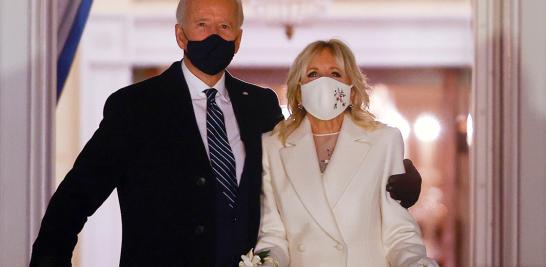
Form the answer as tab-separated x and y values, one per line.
206	17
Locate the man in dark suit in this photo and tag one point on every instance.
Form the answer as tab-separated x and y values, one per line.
183	150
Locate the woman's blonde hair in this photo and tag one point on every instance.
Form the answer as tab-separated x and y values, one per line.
345	60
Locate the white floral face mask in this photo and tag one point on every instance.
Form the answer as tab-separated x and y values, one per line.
325	98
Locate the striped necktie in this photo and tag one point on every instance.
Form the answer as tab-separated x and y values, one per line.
221	156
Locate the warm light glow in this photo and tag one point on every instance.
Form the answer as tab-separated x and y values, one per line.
469	129
395	119
383	107
427	128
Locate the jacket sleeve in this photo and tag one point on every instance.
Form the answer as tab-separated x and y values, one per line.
272	234
90	181
272	111
402	240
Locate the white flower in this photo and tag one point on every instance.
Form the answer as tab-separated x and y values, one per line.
271	262
425	262
250	260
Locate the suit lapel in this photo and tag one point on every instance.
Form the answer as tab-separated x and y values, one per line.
351	149
180	102
181	107
301	164
240	101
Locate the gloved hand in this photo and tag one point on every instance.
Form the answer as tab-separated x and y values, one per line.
405	187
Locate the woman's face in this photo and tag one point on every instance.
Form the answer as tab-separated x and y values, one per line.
324	64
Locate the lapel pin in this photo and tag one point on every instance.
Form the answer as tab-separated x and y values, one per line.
245	93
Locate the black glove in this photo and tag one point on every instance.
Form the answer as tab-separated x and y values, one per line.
405	187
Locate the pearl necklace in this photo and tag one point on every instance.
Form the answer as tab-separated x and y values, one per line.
326	134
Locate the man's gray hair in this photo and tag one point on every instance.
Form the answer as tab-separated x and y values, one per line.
181	9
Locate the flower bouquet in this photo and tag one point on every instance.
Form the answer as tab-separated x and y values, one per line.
258	259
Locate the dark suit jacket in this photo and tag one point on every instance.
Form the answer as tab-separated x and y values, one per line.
149	148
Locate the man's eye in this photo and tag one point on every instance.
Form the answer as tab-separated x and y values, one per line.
201	24
224	26
312	74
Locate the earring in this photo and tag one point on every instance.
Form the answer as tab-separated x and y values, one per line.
350	105
300	106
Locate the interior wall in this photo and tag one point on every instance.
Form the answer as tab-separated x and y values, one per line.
27	100
532	151
14	143
67	132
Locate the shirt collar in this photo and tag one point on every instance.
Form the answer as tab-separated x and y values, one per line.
196	86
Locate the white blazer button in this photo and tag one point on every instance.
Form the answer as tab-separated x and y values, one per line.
301	248
339	247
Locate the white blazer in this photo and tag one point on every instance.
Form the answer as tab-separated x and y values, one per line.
344	217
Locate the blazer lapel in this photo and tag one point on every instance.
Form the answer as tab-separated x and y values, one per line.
301	164
349	154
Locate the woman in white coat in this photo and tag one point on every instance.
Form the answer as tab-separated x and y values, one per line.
325	172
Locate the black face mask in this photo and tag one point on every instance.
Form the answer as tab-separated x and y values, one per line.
211	55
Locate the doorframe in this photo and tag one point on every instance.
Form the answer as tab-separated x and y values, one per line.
27	109
494	156
495	111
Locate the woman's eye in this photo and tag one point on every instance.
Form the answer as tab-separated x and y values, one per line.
312	74
336	74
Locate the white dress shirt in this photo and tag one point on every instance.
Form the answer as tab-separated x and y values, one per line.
199	102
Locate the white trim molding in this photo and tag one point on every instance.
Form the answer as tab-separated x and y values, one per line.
509	139
43	98
394	40
493	200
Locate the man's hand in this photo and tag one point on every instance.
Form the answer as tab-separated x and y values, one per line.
405	187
